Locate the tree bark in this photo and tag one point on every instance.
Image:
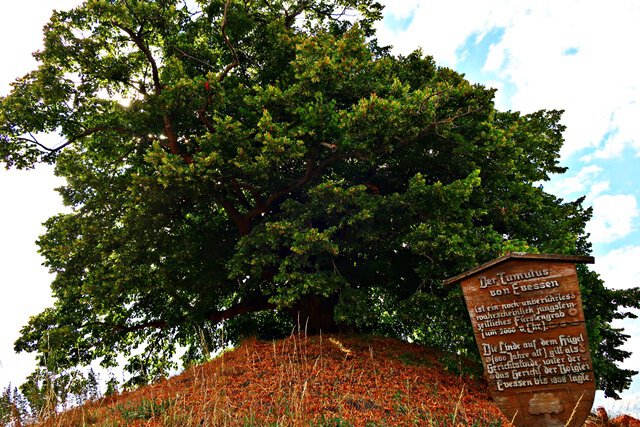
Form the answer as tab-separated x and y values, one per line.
315	313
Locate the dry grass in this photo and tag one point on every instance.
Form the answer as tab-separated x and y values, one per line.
321	381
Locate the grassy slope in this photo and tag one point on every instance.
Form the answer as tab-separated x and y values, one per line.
321	381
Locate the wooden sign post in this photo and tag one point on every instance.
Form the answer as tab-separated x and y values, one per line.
527	318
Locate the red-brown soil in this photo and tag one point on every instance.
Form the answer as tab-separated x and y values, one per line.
317	381
322	381
625	421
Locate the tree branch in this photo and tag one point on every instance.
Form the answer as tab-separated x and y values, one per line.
310	173
139	42
239	188
75	138
169	131
234	52
202	116
289	18
155	324
238	219
186	55
401	142
250	305
244	221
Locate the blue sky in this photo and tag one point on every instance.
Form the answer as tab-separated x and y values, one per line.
576	55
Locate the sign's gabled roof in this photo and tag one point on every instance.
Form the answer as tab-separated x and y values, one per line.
520	255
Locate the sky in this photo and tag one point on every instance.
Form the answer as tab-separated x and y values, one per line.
576	55
27	198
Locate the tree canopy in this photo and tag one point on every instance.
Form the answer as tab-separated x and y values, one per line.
266	163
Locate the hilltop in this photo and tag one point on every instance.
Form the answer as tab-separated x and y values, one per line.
319	381
333	380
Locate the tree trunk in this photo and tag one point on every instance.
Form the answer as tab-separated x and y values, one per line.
315	313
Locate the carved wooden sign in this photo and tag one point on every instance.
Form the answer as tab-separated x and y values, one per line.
527	318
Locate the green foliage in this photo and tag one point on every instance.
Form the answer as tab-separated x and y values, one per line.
143	410
251	163
46	390
44	393
332	422
604	339
14	408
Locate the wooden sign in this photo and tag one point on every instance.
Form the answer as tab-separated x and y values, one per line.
527	318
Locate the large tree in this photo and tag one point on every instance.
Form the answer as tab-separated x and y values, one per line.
265	163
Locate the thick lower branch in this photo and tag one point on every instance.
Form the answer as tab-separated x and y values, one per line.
252	305
154	324
243	224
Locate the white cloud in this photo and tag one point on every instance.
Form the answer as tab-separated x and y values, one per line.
628	405
563	186
598	188
500	98
496	58
401	8
28	200
613	217
27	196
572	54
441	27
627	129
586	84
20	28
620	268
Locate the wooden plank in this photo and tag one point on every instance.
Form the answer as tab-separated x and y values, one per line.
529	325
580	259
